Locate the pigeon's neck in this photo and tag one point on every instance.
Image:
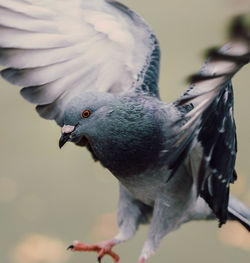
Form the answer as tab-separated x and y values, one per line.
129	141
128	157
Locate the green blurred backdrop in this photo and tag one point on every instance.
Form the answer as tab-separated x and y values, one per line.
49	197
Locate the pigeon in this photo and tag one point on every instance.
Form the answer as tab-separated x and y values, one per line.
93	67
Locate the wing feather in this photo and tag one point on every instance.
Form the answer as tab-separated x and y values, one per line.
57	49
207	120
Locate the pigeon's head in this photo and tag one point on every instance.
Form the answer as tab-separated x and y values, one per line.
80	112
123	132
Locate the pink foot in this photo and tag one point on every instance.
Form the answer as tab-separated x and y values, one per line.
102	249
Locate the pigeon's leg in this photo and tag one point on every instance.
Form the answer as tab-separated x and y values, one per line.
166	218
131	212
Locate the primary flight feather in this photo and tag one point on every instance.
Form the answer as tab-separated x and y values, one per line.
93	67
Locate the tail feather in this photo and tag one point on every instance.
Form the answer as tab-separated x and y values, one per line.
238	211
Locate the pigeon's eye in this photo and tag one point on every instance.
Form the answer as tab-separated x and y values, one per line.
85	114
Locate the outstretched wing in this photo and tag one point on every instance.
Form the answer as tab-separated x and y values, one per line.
208	120
56	49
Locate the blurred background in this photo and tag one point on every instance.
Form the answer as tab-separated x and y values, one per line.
50	197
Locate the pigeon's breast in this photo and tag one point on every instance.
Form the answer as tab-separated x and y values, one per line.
145	186
153	184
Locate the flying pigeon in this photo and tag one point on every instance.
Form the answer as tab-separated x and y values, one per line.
92	66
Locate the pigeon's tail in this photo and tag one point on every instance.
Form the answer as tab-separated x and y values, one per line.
238	211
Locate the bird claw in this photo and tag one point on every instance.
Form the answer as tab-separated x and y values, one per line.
103	248
70	247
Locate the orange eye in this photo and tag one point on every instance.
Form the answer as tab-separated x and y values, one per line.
85	114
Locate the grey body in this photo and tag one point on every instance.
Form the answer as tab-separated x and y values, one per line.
131	142
132	137
175	162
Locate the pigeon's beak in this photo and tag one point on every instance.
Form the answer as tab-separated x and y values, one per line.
66	133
